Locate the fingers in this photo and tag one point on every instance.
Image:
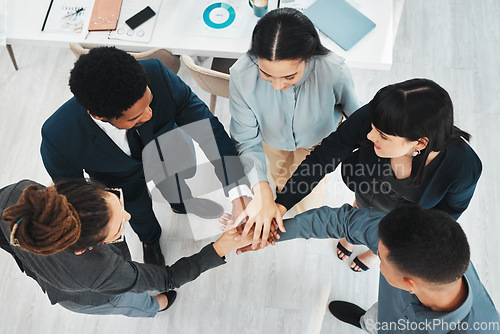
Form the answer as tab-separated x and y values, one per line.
256	235
279	220
274	230
247	228
225	220
244	249
236	222
265	234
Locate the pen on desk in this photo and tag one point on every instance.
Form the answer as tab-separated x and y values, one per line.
75	12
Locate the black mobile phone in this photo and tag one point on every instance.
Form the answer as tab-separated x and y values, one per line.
140	17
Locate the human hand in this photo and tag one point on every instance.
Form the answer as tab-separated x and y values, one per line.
273	234
226	243
227	219
239	204
260	212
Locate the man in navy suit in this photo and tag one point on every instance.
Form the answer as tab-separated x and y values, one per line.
119	106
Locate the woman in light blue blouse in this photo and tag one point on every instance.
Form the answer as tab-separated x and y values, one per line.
286	94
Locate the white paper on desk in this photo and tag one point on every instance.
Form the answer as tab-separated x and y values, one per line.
59	17
190	20
142	33
300	5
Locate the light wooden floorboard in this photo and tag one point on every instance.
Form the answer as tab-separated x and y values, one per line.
283	289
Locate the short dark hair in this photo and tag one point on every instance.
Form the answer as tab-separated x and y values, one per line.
415	109
285	34
107	81
425	243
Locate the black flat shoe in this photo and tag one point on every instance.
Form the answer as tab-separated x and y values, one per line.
346	312
153	255
360	264
343	250
171	295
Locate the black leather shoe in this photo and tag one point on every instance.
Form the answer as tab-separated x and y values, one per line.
346	312
153	255
171	295
201	207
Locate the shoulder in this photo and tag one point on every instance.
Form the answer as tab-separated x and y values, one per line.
330	69
461	161
361	116
151	64
482	306
156	70
331	62
245	65
10	194
245	78
60	121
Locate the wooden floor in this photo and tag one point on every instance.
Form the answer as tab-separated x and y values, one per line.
283	289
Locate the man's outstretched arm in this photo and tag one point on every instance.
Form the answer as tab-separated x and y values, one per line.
359	226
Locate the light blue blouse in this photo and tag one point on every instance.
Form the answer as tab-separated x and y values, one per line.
299	117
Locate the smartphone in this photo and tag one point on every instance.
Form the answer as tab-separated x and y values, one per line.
140	17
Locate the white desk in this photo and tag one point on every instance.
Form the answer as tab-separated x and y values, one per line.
374	51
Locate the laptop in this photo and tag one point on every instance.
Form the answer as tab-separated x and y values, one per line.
341	22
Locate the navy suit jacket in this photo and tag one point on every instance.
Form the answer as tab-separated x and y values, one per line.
72	142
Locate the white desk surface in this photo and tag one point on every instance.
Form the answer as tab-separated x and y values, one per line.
374	51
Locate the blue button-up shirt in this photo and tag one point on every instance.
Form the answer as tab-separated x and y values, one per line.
299	117
398	310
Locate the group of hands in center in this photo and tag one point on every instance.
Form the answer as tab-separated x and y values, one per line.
254	223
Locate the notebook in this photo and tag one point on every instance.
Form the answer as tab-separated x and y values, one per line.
337	19
105	15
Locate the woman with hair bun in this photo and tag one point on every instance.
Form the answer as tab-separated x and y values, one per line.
287	93
69	238
402	147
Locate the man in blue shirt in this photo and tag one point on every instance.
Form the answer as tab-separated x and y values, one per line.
427	282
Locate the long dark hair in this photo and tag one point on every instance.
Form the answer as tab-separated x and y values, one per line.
415	109
285	34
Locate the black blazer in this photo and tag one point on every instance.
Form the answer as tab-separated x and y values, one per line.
72	142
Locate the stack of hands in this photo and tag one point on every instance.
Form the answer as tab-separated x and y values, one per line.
254	223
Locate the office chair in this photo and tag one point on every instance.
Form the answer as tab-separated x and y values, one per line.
210	80
166	57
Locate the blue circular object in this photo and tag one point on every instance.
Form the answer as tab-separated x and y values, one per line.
212	24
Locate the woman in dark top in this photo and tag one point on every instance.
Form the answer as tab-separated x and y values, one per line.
69	238
401	147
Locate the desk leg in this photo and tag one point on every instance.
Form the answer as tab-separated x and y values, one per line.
11	54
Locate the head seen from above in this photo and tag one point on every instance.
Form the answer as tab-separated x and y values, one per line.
283	41
73	215
422	250
112	86
412	118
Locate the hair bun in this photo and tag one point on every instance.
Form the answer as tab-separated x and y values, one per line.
50	223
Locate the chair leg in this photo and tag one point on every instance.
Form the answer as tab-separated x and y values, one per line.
213	100
11	54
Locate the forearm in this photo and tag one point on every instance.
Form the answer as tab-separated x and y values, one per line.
253	160
359	226
189	268
138	277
